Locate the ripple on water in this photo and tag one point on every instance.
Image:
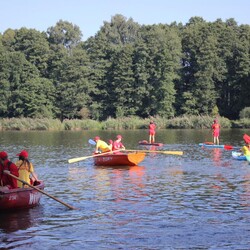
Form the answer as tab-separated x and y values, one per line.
200	200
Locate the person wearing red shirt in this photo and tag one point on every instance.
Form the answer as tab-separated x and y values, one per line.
117	144
152	128
216	132
6	166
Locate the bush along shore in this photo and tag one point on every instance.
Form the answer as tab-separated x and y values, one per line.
124	123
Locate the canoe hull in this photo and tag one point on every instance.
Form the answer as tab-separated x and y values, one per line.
238	156
20	198
130	159
248	158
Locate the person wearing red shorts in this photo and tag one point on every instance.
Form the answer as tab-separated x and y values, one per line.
216	132
152	128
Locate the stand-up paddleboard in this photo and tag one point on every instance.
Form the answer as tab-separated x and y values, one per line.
146	143
210	145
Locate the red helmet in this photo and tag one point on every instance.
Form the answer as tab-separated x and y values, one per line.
119	137
97	138
3	155
24	154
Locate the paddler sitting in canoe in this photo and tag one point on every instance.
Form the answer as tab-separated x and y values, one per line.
101	146
25	169
246	149
117	144
7	167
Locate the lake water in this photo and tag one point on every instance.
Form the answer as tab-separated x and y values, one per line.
200	200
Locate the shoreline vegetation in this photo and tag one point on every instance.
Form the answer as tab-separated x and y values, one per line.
124	123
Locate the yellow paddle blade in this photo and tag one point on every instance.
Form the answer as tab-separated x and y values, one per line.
79	159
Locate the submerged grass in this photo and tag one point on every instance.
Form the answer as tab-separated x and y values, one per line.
125	123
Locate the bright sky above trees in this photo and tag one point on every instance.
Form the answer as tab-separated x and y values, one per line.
89	15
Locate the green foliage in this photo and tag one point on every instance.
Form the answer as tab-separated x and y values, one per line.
65	33
34	46
84	113
242	123
123	123
215	111
245	113
127	70
200	48
121	31
30	124
81	124
196	122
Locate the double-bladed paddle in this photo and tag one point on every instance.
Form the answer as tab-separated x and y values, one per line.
229	147
226	147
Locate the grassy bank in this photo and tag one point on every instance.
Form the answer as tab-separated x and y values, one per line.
184	122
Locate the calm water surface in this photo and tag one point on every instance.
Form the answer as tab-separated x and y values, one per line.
200	200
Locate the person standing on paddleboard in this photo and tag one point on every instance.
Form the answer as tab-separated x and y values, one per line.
152	128
216	132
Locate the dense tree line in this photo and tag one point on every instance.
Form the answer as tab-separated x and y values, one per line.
126	69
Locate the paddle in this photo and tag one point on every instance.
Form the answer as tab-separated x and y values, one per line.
229	147
90	156
92	142
246	138
41	191
155	151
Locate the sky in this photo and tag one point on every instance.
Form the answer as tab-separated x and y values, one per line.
89	15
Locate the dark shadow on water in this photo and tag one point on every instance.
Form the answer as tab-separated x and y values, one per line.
20	220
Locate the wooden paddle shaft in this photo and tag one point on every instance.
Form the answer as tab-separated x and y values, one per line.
41	191
90	156
157	151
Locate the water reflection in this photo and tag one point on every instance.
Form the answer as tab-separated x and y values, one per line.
245	196
216	154
20	220
200	200
119	183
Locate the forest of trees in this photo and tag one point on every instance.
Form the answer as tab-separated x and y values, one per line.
126	69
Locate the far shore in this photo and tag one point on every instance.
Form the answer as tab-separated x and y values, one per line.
123	123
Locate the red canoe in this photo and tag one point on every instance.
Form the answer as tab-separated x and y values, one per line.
145	143
20	198
129	159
